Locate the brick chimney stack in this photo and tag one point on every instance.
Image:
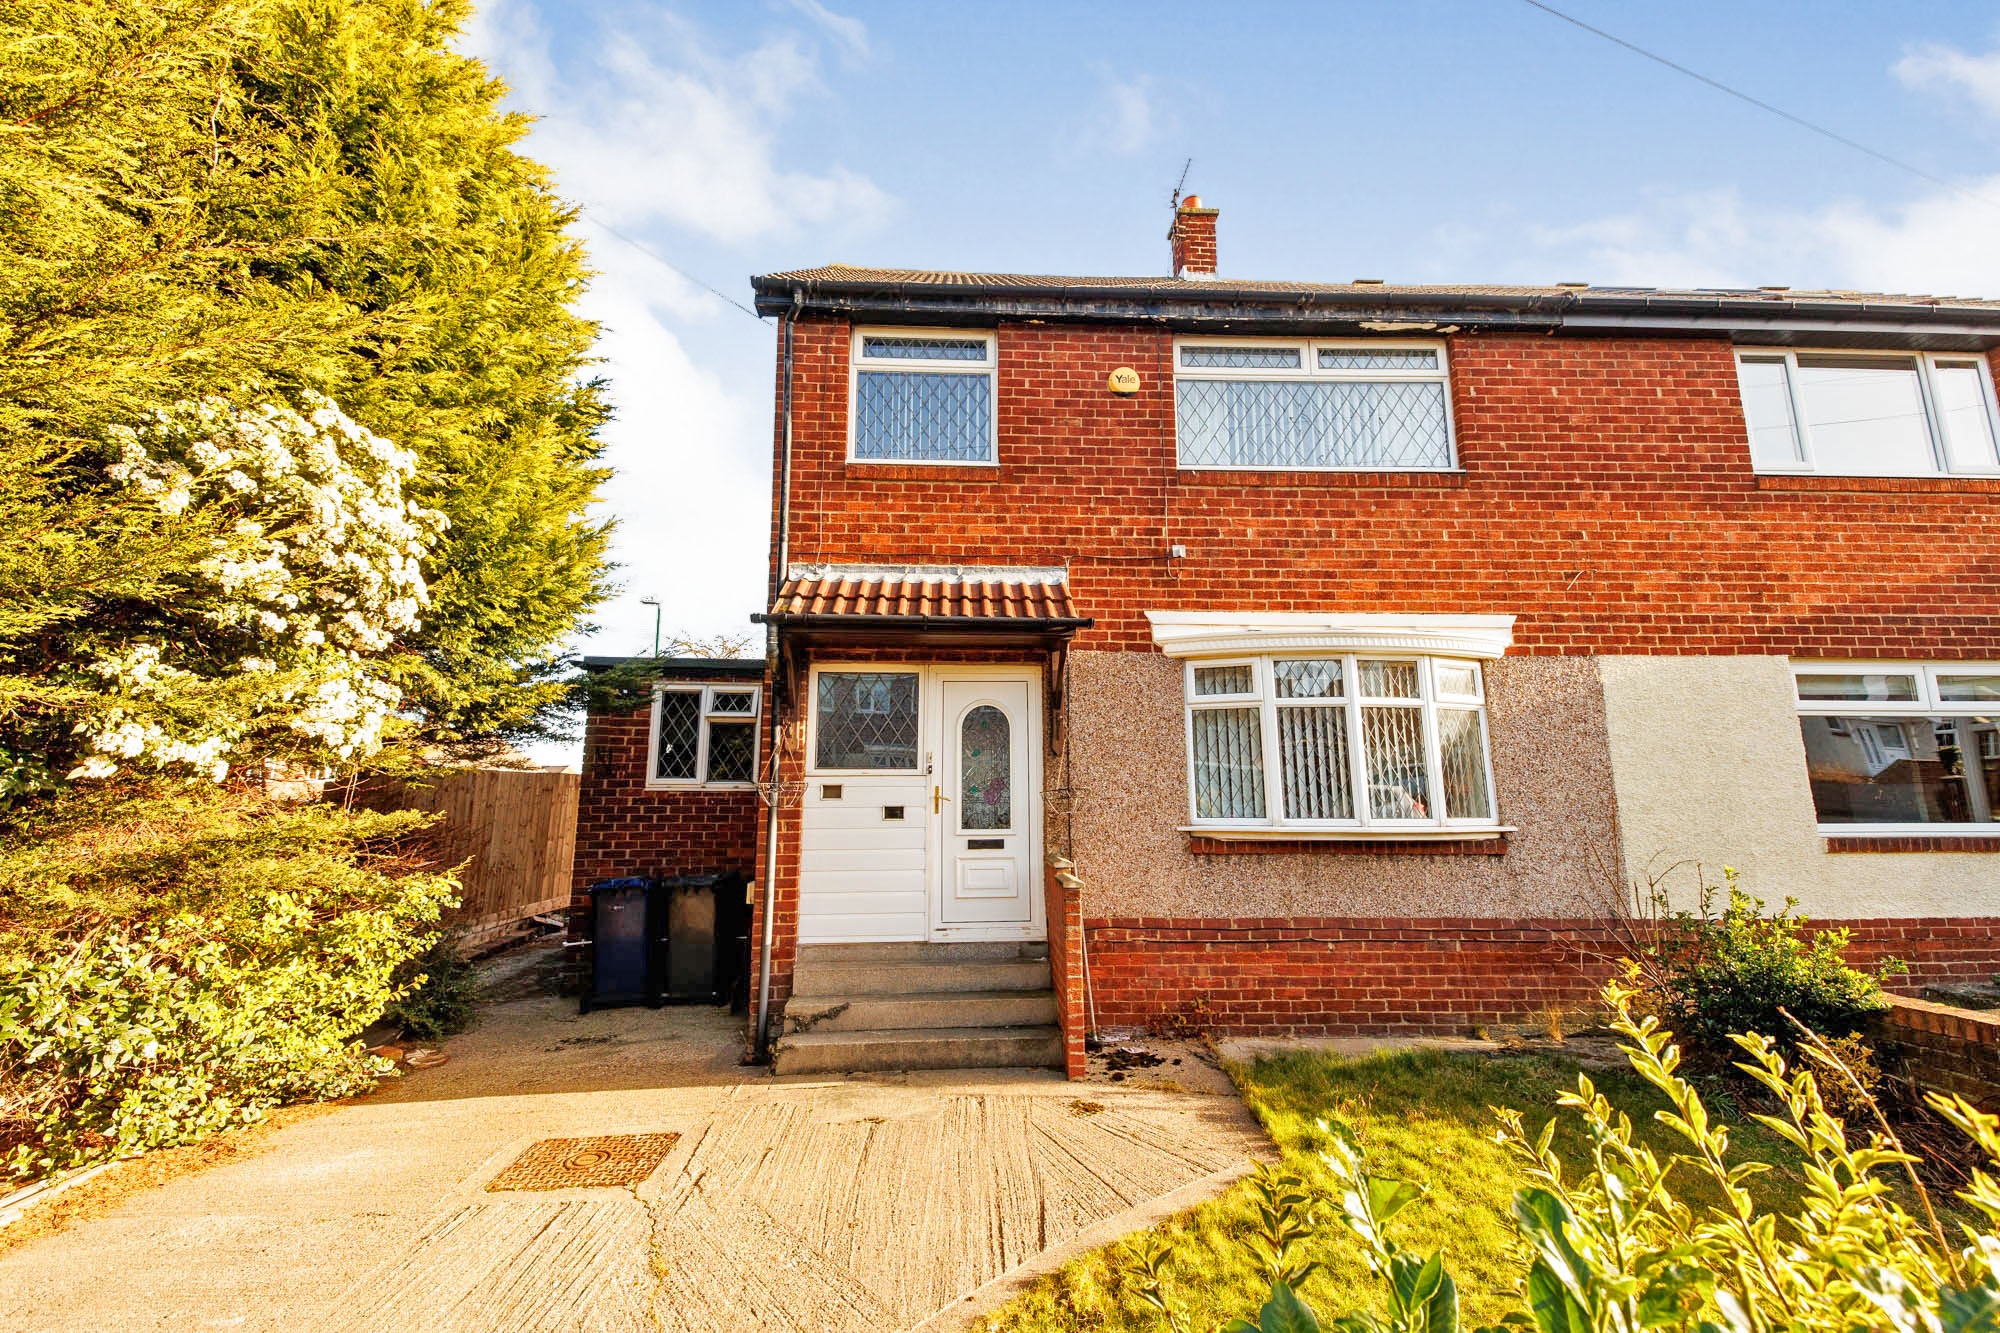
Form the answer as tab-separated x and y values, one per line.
1193	238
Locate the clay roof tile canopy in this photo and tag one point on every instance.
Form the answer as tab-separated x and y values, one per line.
905	597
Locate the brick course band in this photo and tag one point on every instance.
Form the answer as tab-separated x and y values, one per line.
1356	976
1942	1049
1914	844
1202	846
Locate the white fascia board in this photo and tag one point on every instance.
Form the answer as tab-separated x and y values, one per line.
1234	633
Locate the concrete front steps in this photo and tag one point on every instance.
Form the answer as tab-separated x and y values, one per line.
859	1008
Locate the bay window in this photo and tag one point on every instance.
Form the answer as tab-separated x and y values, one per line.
1869	414
1323	742
1901	747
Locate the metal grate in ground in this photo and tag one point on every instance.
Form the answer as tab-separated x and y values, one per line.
567	1164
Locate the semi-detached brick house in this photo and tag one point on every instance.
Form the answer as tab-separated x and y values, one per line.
1351	650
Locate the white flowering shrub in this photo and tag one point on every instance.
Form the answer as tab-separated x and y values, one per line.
316	569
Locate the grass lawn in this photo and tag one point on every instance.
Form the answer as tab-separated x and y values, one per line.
1422	1116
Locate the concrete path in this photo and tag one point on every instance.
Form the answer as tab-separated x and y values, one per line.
785	1204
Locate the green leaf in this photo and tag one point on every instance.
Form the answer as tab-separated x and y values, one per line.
1286	1313
1549	1301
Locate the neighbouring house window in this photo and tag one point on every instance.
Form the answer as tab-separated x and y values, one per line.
1901	746
1338	742
865	720
1869	414
923	397
1315	406
704	735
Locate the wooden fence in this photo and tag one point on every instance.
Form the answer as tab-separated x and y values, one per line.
516	828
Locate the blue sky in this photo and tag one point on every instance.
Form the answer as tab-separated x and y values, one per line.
1450	140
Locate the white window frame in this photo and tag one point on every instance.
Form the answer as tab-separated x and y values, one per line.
923	765
1364	825
707	694
990	368
1928	703
1309	350
1926	364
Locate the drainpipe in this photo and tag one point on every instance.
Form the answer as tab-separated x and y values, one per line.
771	665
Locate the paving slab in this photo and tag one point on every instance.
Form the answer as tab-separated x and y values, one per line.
821	1203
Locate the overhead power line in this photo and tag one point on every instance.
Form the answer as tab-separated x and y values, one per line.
1762	105
672	267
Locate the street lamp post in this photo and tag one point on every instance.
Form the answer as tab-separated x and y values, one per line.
654	602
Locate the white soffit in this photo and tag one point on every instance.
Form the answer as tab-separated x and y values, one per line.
1235	633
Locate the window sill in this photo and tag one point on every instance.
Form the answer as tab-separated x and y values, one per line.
701	786
1415	479
1813	481
1845	841
1206	841
886	470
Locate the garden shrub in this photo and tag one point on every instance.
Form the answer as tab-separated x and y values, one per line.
176	958
1611	1249
437	991
1710	976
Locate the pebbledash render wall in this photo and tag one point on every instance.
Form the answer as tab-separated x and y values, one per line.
1606	499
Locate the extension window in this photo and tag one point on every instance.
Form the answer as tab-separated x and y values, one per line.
703	736
1312	406
1869	414
1901	748
922	396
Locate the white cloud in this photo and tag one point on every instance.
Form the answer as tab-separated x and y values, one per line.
663	138
1933	67
654	126
1124	118
1939	243
850	34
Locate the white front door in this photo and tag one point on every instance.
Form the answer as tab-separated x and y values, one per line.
921	818
986	800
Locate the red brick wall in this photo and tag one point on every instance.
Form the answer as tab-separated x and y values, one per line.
1063	900
1607	499
1350	976
624	829
1941	1049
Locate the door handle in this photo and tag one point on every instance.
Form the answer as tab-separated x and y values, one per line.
938	798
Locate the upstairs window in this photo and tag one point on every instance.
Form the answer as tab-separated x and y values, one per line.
1869	414
703	736
1312	406
923	397
1900	747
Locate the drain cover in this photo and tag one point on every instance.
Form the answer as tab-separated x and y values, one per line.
568	1164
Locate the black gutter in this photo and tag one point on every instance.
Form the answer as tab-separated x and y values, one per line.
1220	305
694	668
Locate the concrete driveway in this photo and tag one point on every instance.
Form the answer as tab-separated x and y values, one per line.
877	1203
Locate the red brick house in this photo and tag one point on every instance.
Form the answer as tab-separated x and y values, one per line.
1336	657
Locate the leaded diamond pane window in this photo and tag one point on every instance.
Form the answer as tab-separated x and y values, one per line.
1241	358
1310	678
914	417
1351	406
678	755
923	398
924	349
1311	425
1360	358
1339	743
732	751
704	735
866	720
